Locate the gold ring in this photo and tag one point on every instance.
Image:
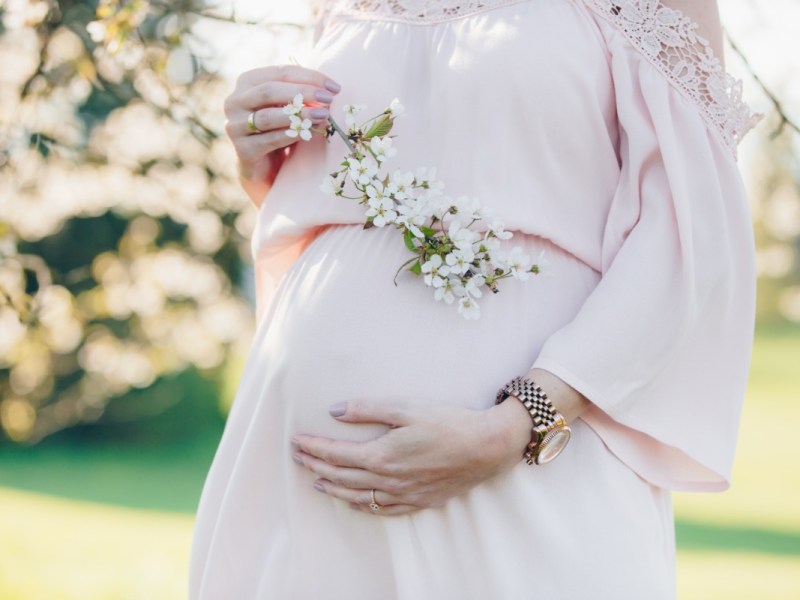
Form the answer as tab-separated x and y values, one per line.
374	506
251	123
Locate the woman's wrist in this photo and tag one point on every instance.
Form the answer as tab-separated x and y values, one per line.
565	399
510	431
257	178
512	425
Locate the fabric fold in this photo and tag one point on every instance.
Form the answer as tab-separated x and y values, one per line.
662	346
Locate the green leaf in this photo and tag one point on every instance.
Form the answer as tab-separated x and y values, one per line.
428	231
416	268
380	128
408	238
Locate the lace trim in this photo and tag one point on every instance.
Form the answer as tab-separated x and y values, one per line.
668	38
414	11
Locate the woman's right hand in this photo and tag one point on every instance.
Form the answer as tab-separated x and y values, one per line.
265	91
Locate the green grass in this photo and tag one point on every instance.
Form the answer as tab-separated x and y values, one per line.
64	538
159	463
166	477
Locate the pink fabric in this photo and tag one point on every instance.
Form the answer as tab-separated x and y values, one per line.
604	157
577	140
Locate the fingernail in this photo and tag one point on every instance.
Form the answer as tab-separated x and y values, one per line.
332	86
296	458
319	487
319	113
338	409
295	444
323	96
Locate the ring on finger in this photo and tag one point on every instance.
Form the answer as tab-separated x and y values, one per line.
374	506
251	122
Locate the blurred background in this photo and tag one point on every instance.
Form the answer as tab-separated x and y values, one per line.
126	299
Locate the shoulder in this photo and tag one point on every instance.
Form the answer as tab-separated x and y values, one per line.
660	25
706	14
683	40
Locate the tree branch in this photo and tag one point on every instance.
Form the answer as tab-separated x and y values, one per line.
784	118
232	18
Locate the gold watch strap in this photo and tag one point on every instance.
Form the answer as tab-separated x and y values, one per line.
543	414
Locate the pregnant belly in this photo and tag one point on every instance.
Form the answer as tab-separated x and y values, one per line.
341	330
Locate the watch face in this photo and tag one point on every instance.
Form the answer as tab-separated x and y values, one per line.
552	446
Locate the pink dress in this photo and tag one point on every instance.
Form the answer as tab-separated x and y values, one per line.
603	132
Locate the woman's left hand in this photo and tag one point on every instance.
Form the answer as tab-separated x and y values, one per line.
432	452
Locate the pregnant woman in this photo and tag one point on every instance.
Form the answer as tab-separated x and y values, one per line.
368	454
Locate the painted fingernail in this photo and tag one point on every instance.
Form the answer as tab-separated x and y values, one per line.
319	487
319	113
295	444
296	458
338	409
332	86
323	96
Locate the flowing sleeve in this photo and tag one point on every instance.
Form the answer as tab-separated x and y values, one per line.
661	347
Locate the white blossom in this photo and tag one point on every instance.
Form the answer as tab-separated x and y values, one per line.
462	237
395	108
350	112
518	263
382	147
497	228
439	205
401	185
459	260
362	171
469	208
435	271
299	127
413	213
332	184
375	190
295	106
473	287
427	178
468	308
450	290
490	247
381	209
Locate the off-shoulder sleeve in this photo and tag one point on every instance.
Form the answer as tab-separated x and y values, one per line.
661	347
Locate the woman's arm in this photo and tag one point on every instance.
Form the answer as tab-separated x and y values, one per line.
257	180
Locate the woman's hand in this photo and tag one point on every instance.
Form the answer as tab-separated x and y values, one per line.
432	453
265	92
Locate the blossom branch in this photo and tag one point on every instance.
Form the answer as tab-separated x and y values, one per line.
452	258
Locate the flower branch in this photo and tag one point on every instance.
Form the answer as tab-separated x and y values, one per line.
450	255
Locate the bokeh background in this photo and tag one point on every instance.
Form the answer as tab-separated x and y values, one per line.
126	297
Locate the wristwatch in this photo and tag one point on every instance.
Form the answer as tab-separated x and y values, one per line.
550	431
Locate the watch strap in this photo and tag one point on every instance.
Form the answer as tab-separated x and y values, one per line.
542	412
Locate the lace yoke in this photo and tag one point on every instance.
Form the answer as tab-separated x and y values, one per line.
669	40
664	35
415	11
